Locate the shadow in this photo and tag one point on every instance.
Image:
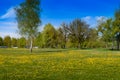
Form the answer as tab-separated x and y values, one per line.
49	50
114	50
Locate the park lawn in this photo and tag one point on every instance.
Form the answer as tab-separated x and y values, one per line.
59	64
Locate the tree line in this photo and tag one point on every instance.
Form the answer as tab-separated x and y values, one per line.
109	30
8	42
76	34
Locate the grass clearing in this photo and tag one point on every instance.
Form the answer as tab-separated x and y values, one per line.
59	64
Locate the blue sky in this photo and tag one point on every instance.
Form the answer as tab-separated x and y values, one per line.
58	11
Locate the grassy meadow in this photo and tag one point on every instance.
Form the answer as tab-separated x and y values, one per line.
59	64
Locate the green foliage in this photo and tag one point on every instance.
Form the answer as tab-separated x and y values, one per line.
7	41
14	42
1	41
49	36
92	41
21	42
107	32
62	35
28	18
39	40
110	30
78	32
75	35
106	29
116	27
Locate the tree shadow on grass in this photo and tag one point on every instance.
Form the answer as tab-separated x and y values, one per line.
49	50
114	50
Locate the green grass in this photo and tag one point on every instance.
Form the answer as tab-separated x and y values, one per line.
59	64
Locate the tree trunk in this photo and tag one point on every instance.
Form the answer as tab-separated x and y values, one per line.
112	44
117	44
31	44
79	45
106	45
65	42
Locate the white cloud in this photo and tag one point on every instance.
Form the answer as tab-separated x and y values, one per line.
11	34
87	18
8	26
93	21
9	14
99	18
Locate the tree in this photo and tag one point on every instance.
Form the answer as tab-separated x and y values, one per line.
39	40
60	38
21	42
93	40
1	41
116	27
62	35
78	31
49	36
106	30
7	41
28	18
14	42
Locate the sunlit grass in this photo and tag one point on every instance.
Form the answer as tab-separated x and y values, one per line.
58	64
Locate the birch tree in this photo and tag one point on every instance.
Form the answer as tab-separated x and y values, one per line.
28	18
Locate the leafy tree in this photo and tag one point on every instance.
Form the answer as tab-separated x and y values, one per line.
60	38
21	42
93	40
7	41
106	30
1	41
62	35
39	40
49	36
110	29
116	27
78	32
14	42
28	18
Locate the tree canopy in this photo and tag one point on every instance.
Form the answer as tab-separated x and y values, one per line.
28	18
